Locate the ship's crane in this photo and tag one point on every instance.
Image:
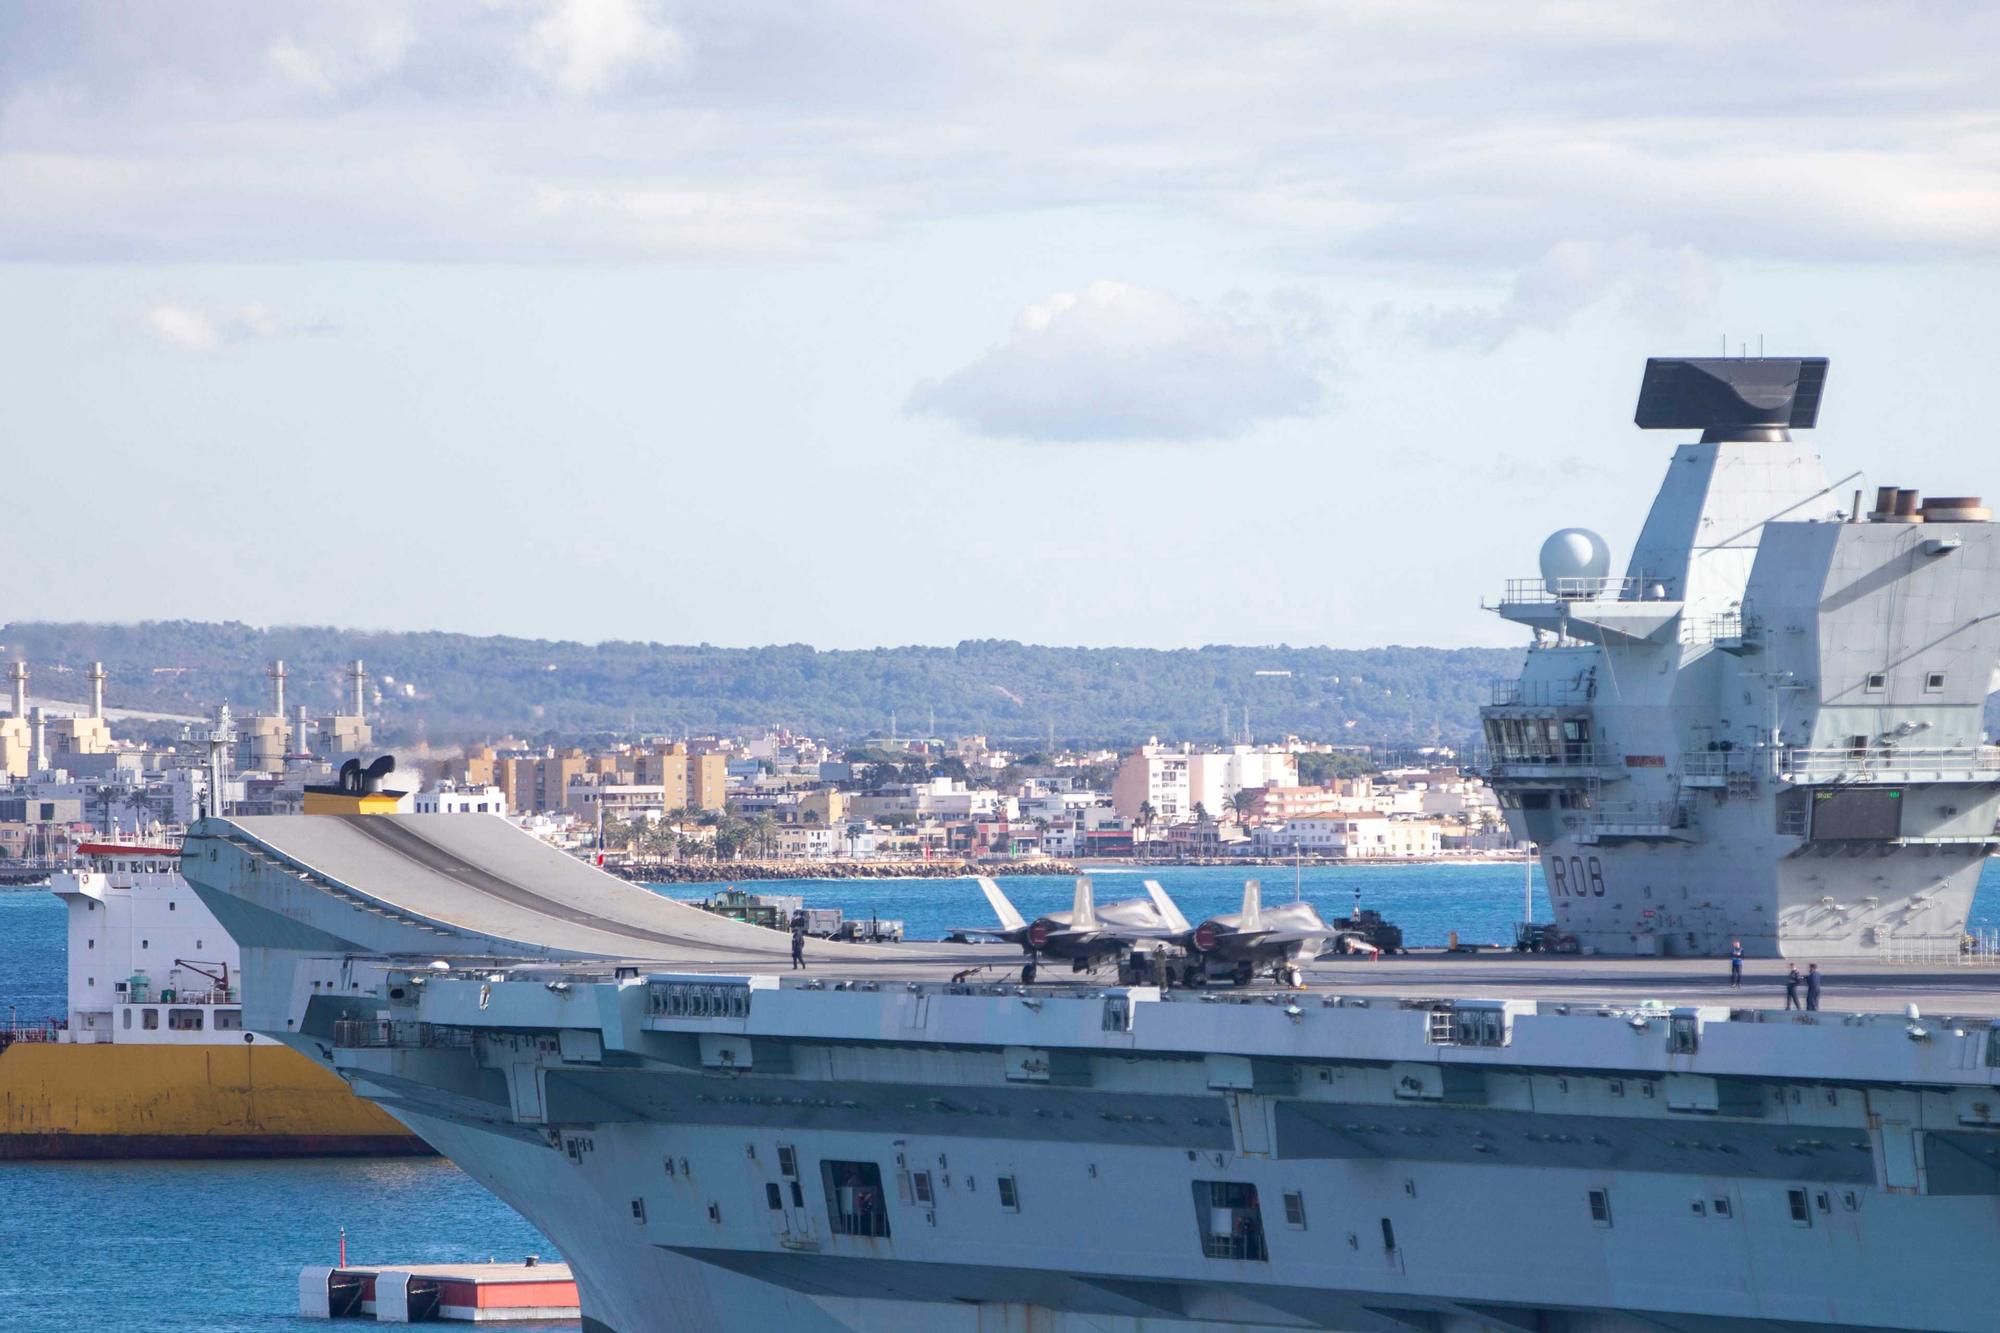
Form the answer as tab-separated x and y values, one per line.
215	972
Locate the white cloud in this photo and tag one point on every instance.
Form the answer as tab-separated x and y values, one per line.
182	327
334	54
584	47
1420	131
773	218
1118	362
192	329
1661	287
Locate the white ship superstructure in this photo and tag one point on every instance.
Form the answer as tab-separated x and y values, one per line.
716	1142
148	964
1768	730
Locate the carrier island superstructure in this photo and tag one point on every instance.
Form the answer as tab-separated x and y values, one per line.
1768	729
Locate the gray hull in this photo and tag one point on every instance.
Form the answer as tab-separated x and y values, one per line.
714	1145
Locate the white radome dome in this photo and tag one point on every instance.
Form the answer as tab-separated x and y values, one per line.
1573	554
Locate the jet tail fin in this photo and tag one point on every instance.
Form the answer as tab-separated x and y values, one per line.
1083	914
1010	919
1169	913
1253	905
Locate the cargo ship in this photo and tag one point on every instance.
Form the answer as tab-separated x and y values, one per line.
152	1058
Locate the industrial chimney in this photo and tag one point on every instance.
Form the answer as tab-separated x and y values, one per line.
97	689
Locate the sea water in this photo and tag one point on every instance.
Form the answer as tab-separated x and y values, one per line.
162	1247
171	1246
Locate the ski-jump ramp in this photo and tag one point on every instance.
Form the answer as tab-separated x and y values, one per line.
457	885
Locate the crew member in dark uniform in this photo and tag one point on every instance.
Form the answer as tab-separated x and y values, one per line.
1812	986
798	946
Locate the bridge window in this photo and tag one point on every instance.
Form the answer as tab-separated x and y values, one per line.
1295	1210
1010	1198
1934	682
229	1020
150	1020
1231	1222
1800	1209
184	1020
1878	681
1600	1208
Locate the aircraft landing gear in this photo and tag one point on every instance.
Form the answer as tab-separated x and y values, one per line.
1244	974
1028	973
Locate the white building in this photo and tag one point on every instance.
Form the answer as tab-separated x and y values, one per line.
808	842
1175	780
1367	835
1214	777
941	798
620	800
450	799
1153	776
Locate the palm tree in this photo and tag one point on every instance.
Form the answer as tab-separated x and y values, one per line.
145	806
765	830
108	796
1244	802
1147	814
625	833
663	840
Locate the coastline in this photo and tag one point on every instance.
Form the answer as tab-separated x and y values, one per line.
728	872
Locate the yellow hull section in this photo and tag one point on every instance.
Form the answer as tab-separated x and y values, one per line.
182	1101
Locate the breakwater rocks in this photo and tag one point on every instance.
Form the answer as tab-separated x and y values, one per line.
717	872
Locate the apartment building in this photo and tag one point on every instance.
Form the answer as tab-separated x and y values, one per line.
692	781
1175	779
1364	835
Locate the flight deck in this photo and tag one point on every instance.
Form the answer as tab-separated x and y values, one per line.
435	883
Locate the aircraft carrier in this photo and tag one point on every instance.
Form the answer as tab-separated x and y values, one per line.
1518	1145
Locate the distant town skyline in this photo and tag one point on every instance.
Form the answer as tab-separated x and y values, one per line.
852	325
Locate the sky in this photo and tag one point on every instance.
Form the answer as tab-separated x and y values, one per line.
860	324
